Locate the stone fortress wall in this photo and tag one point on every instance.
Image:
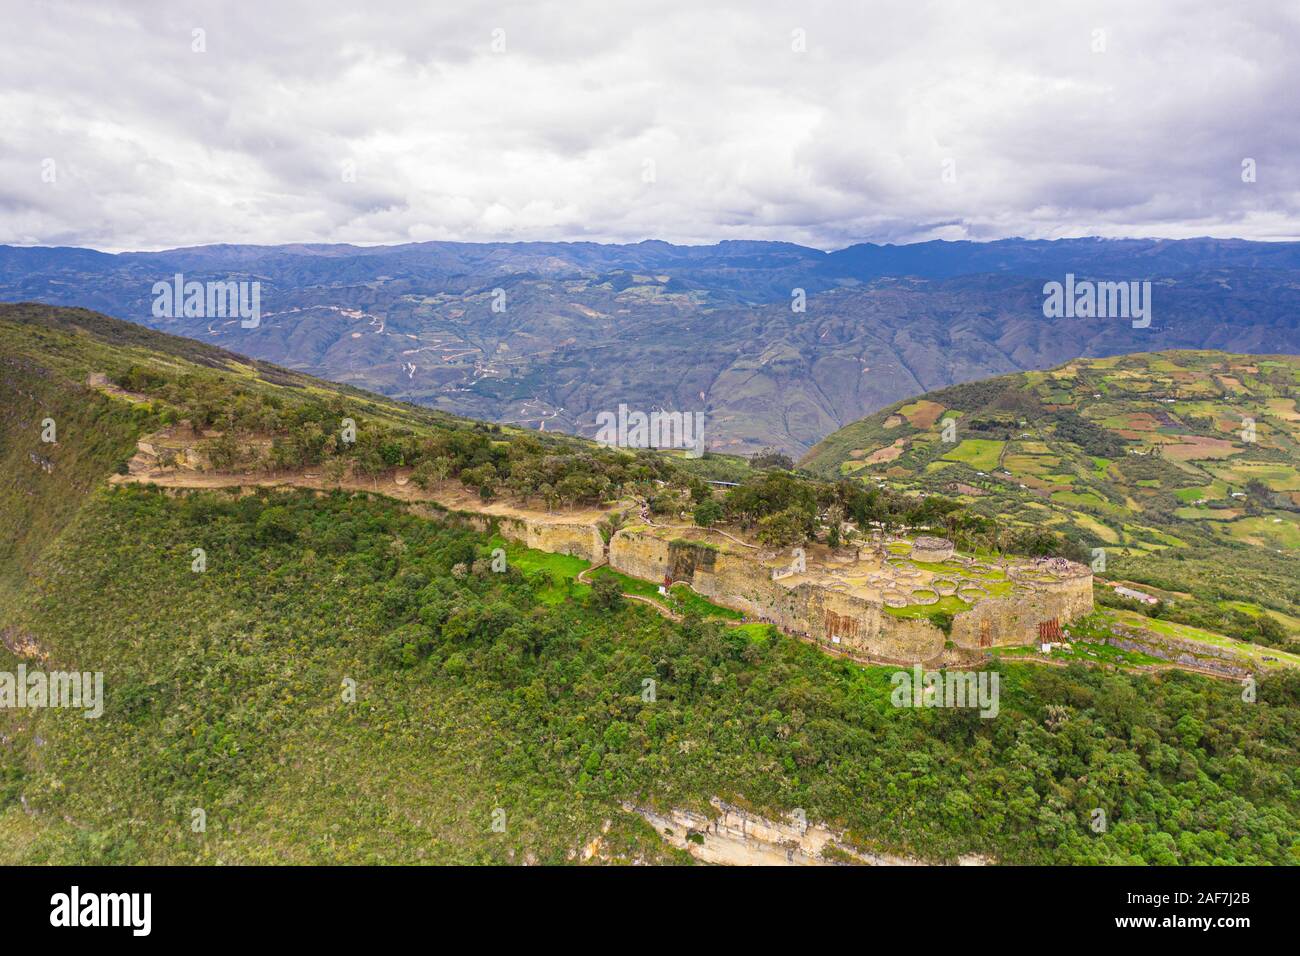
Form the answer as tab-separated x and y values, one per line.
1015	619
578	539
845	622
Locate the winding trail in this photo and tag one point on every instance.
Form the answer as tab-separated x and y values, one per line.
583	577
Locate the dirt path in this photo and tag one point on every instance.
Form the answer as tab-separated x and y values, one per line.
448	494
99	381
583	577
671	615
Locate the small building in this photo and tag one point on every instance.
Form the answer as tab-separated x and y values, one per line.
1134	595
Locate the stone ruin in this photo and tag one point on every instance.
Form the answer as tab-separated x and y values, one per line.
931	549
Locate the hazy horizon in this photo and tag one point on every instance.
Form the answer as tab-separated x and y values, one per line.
634	242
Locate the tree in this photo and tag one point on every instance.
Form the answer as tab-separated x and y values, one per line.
609	526
834	524
483	478
789	527
275	524
708	513
606	593
431	471
335	470
771	458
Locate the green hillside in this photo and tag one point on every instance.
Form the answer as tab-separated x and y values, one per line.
1183	466
345	683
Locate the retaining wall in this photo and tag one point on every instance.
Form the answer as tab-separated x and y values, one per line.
839	620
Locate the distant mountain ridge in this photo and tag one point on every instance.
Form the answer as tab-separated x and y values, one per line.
579	328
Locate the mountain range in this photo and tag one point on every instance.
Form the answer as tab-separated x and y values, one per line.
777	344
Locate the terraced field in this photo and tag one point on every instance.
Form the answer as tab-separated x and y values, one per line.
1180	470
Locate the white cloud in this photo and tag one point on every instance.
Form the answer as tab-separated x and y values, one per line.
155	145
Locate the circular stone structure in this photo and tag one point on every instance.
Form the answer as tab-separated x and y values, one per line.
925	596
930	549
894	598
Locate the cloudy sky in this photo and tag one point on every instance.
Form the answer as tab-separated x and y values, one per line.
121	127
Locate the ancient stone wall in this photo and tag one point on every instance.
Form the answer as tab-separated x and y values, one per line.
926	548
640	555
1014	620
576	539
841	622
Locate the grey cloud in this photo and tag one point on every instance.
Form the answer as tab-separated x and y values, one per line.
157	146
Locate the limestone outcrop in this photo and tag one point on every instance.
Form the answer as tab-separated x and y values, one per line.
733	836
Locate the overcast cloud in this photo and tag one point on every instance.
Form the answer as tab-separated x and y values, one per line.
152	145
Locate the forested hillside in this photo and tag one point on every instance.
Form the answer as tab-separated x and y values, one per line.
346	680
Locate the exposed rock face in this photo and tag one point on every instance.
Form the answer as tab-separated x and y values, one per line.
1217	660
737	837
22	644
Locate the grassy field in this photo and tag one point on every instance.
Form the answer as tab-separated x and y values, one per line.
1254	652
979	453
552	574
688	602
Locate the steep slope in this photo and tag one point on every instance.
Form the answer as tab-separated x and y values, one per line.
347	680
64	426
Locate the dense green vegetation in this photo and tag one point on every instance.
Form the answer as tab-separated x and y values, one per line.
42	483
224	693
323	430
349	681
